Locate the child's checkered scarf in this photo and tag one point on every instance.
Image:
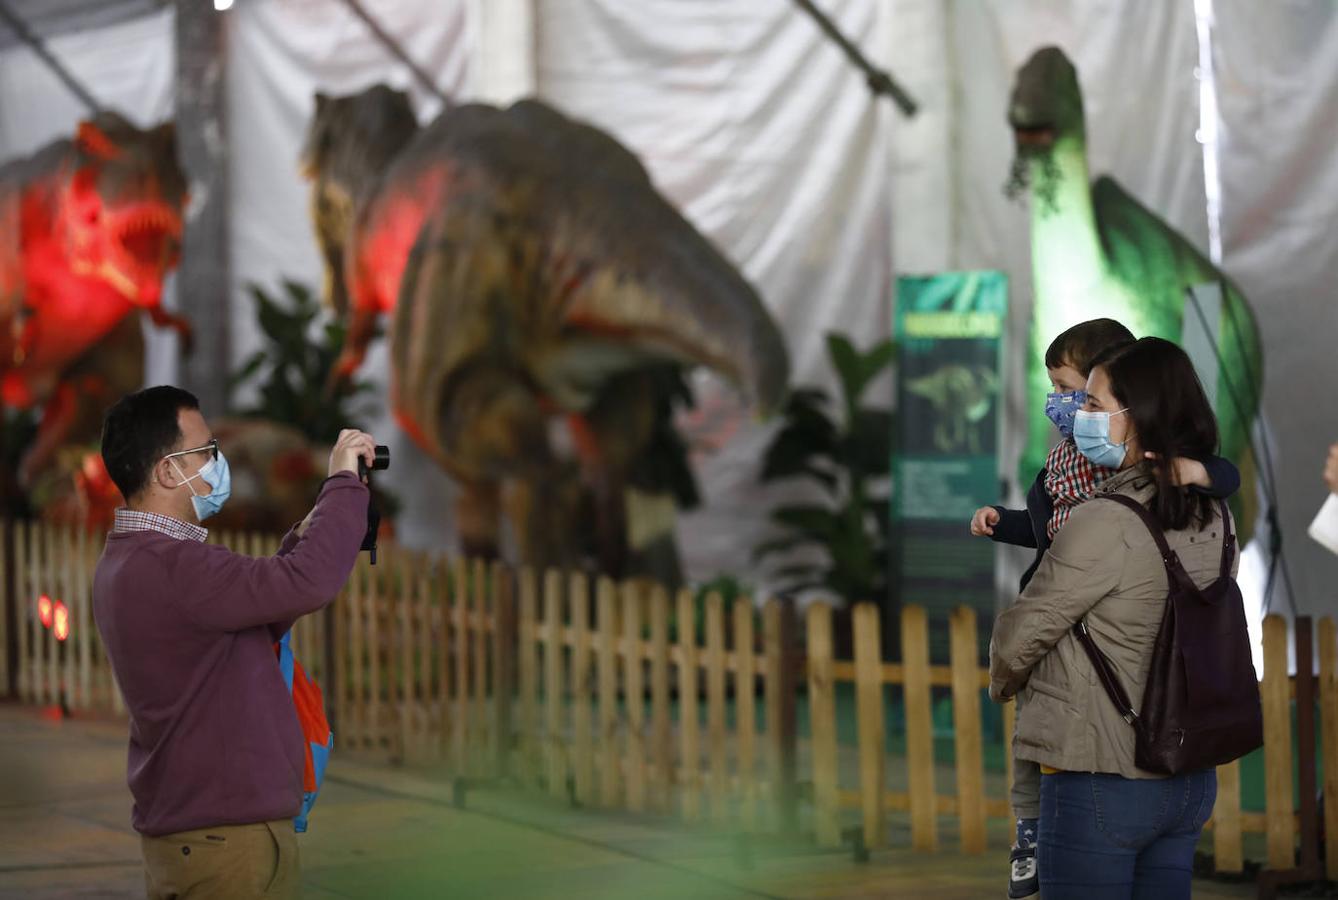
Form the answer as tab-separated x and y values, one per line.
1070	479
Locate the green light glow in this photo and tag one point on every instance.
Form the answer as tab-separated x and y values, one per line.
1096	251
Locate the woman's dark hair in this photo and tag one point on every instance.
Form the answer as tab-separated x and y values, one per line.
1156	382
140	429
1084	342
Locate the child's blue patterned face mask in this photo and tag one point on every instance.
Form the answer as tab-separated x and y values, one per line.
1060	408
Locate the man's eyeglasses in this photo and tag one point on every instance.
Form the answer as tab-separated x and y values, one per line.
212	447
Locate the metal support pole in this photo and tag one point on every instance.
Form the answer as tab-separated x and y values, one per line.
879	80
11	610
21	30
791	670
204	277
397	51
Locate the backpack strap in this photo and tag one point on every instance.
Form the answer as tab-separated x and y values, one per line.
1228	539
1153	525
1175	571
1105	673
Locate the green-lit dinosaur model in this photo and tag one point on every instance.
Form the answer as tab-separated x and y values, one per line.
1096	251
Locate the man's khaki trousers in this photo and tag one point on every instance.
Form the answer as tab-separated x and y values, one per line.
222	863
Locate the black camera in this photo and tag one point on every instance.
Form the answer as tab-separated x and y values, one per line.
380	462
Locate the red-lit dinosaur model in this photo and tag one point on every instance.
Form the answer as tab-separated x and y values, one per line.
66	480
538	285
89	227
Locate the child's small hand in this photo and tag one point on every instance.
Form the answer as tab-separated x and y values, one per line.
1185	472
983	522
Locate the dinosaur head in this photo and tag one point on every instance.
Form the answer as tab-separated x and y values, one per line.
1044	110
120	217
350	142
1046	105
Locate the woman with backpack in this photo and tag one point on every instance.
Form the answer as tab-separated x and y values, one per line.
1092	638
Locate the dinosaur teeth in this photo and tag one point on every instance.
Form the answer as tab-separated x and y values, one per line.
157	220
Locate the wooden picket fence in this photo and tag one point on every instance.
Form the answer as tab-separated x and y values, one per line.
56	564
970	804
606	695
74	672
564	684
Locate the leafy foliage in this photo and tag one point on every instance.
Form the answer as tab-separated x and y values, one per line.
293	369
847	454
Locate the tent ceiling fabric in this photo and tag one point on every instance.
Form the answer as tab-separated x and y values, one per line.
49	18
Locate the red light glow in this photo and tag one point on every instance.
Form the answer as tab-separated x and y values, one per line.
44	610
62	619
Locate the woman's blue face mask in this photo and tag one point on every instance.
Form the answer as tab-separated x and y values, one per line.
1091	432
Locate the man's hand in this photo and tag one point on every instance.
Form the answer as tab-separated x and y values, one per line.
351	445
983	522
1331	469
1185	472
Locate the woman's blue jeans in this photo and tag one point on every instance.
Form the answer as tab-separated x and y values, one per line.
1104	837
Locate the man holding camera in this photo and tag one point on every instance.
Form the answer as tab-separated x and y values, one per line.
216	752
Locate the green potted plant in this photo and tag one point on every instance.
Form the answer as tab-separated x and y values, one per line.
292	368
838	543
278	444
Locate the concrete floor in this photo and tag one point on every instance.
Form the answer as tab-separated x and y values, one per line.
385	834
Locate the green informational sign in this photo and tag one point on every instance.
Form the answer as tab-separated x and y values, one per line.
949	331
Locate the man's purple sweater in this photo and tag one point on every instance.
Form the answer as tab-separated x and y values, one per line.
190	628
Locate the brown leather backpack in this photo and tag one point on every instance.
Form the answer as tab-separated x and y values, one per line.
1201	703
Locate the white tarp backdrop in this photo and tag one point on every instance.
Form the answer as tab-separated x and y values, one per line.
755	125
758	129
1277	77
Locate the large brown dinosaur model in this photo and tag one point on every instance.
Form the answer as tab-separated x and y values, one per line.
536	279
88	230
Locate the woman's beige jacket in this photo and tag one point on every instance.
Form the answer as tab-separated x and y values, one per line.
1105	566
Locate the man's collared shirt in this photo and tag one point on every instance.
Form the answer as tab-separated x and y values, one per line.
138	520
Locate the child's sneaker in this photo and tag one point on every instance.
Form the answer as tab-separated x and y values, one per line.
1023	880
